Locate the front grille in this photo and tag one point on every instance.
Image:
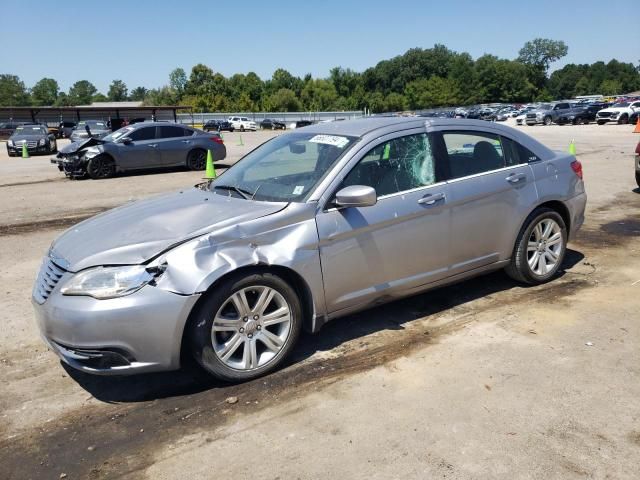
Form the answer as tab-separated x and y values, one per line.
604	114
48	278
30	143
531	115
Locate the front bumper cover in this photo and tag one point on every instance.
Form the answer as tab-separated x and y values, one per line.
141	332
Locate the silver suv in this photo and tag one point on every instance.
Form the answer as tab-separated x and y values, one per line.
310	226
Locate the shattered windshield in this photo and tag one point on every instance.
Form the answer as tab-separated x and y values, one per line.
285	169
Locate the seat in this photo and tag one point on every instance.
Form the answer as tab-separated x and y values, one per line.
486	158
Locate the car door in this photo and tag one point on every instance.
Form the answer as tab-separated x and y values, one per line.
490	193
173	145
141	152
397	244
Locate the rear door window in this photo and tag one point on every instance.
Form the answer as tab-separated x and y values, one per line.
470	153
171	131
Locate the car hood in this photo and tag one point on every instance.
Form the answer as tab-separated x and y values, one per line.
139	231
614	109
74	147
18	138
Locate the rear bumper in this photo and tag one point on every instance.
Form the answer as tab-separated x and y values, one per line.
576	206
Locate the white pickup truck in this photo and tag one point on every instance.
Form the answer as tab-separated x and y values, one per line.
242	124
623	112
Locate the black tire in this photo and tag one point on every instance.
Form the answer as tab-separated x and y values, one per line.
633	118
200	326
231	130
547	120
101	166
518	267
242	128
638	178
624	119
585	121
197	159
53	148
600	122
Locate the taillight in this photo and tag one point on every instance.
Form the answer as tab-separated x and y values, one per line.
576	166
218	140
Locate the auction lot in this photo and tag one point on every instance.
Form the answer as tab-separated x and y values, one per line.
481	380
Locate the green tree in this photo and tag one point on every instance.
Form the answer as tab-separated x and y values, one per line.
284	100
138	94
117	91
45	92
319	95
611	87
82	92
395	102
432	92
12	91
538	55
178	82
99	97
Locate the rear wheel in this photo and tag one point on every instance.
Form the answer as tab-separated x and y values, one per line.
638	178
197	160
600	122
245	327
101	166
539	249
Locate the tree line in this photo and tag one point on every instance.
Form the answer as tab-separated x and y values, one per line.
418	79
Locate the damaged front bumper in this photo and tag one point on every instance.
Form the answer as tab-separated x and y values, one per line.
73	166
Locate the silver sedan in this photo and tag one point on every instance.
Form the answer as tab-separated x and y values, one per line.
312	225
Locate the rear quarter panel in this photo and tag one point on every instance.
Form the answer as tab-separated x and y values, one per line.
556	181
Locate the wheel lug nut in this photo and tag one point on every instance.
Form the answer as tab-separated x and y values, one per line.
259	327
250	335
245	319
255	317
241	329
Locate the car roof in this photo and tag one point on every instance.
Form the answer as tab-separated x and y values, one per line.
363	126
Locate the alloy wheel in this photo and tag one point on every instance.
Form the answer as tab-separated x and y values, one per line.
251	327
544	247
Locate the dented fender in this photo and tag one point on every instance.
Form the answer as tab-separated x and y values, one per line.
288	239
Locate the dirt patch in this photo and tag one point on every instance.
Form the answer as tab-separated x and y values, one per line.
34	182
49	224
108	442
613	233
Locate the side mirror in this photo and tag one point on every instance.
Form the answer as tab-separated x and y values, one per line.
356	196
126	141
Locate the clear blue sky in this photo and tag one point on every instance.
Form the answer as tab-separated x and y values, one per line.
141	41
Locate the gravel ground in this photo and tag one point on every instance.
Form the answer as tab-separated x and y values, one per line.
481	380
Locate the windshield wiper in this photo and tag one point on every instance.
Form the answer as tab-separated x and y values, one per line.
243	193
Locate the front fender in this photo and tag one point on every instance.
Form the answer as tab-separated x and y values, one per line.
287	239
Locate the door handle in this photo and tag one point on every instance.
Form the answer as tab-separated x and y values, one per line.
431	199
516	177
153	145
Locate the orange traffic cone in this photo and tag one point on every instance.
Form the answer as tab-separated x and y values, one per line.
637	129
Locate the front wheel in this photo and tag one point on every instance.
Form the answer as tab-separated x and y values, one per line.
600	122
547	120
100	167
624	119
539	249
245	327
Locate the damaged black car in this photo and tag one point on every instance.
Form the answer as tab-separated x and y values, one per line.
137	147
